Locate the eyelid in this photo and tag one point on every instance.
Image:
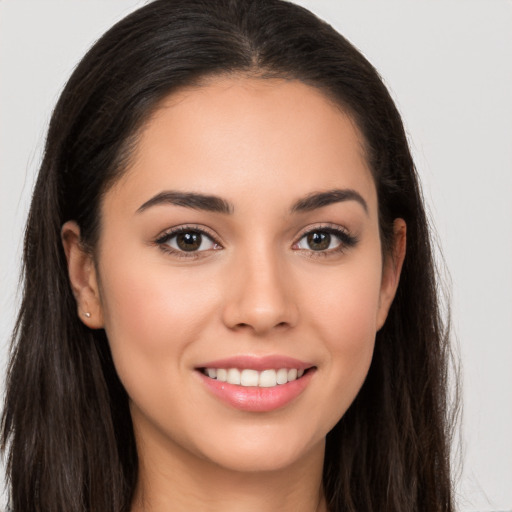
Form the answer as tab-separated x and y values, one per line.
162	239
204	230
347	240
322	226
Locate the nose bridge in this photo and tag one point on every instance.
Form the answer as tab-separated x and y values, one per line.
260	295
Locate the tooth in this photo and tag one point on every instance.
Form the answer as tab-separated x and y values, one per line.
268	378
282	376
249	378
233	376
264	379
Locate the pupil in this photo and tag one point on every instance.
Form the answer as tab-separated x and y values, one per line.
319	241
189	241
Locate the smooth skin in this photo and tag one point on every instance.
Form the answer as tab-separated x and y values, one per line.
257	284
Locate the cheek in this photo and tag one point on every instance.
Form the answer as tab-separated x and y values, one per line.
152	313
152	318
346	309
344	316
349	333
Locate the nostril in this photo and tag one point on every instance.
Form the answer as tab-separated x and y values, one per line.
259	313
244	325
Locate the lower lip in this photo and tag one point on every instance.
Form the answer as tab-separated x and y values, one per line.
256	399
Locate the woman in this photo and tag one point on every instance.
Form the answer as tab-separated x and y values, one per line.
230	299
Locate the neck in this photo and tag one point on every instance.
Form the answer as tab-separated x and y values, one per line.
173	479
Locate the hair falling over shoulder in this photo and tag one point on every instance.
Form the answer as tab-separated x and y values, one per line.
66	425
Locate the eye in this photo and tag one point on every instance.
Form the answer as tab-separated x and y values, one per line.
186	240
326	239
318	241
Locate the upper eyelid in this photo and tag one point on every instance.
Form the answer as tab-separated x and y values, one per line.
164	238
207	231
326	226
347	239
204	230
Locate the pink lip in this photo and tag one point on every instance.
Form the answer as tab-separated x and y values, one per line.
256	399
257	363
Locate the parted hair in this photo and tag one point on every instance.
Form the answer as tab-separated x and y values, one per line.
66	426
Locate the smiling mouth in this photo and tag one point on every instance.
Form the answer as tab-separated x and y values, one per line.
253	378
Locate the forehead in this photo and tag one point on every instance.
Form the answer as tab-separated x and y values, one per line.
238	136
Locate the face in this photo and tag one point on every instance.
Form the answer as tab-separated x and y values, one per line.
239	274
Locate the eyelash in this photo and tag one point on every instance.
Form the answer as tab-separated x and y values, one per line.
346	241
163	241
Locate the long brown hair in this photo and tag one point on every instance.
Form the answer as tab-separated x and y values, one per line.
66	425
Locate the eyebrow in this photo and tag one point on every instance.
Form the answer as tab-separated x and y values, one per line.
216	204
189	200
321	199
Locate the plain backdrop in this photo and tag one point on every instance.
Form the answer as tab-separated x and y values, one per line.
448	64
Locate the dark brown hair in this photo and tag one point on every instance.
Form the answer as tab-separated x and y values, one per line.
66	424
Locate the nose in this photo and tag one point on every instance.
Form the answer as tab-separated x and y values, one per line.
260	295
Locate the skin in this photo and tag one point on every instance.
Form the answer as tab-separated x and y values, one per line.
258	290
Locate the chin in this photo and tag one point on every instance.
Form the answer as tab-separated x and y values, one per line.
262	453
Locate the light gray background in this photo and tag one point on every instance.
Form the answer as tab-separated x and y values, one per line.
449	66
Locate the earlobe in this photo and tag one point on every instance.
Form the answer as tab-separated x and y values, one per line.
82	276
391	271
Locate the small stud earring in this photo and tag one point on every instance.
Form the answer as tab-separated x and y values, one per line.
87	314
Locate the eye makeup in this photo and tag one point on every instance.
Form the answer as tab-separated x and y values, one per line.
188	241
193	241
325	240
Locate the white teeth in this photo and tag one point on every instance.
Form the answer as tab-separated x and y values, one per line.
249	378
282	376
265	379
233	376
292	374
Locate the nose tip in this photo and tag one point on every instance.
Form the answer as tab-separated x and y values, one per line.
259	320
260	299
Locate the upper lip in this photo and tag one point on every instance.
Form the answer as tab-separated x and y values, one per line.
258	363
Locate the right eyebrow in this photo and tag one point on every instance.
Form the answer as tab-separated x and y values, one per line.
189	200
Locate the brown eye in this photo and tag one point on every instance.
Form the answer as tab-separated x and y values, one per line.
326	240
190	241
318	240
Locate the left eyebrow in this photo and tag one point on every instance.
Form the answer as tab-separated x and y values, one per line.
321	199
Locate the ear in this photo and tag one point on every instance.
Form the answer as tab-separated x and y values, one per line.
391	271
82	277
